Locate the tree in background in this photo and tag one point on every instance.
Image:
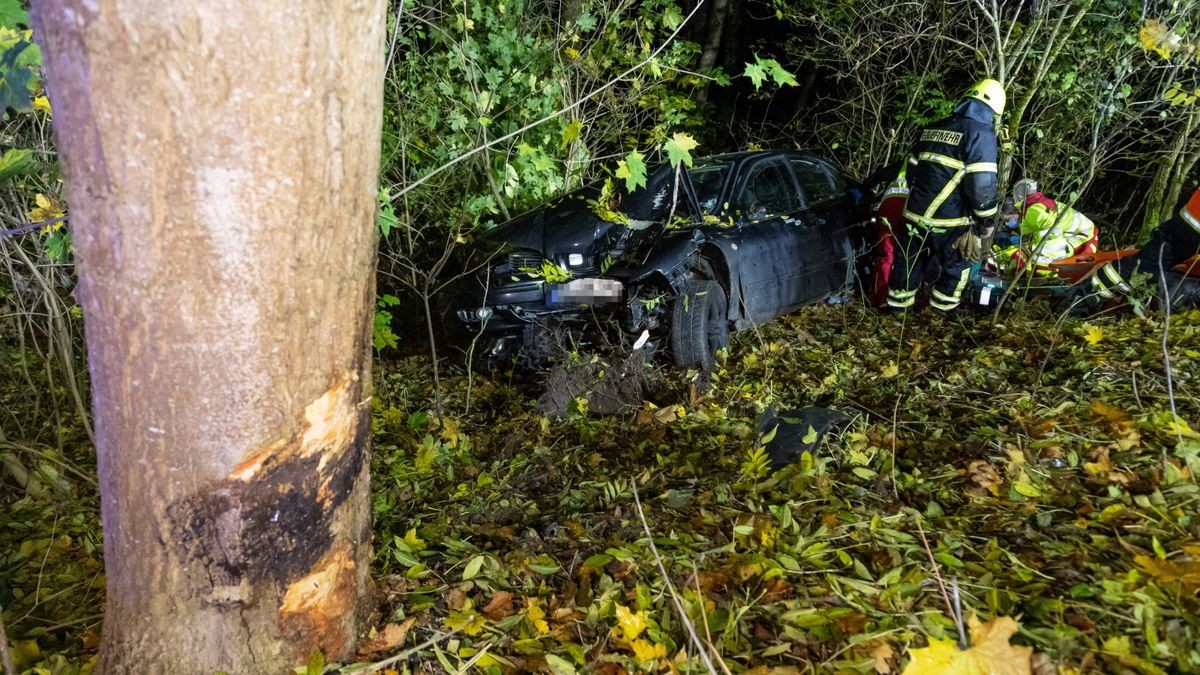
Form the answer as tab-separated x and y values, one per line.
1096	89
223	213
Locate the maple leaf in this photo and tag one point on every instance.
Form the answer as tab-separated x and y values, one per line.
989	654
756	73
679	148
633	170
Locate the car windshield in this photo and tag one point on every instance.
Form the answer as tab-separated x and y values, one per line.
708	179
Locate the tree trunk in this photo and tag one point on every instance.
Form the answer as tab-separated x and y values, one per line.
221	160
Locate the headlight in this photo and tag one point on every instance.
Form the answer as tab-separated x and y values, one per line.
575	259
481	314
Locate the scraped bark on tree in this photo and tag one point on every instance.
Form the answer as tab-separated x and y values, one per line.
221	160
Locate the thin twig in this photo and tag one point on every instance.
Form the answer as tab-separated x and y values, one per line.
561	111
704	616
691	629
380	665
937	575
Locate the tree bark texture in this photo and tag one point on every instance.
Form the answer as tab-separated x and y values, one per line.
221	160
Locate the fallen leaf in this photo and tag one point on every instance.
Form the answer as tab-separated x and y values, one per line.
1186	572
630	623
500	606
883	657
536	616
989	654
389	638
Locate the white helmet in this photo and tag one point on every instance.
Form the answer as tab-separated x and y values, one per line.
1022	189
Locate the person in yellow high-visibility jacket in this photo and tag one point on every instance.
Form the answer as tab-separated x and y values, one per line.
1049	231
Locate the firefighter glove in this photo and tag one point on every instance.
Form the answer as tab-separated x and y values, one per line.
970	245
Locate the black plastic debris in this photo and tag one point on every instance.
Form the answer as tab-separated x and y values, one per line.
795	431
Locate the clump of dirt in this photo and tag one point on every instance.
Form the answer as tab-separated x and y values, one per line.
607	383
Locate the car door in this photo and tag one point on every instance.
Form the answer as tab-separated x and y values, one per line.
769	238
825	262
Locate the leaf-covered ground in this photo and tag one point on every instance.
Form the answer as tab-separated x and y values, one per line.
1040	458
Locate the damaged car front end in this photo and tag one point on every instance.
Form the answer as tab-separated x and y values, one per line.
681	261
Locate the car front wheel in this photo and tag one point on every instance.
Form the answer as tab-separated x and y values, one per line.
699	324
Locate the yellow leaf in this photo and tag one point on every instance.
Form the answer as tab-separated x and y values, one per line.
1185	572
643	650
536	616
42	104
571	53
631	623
1026	488
1158	37
891	369
414	542
466	619
989	654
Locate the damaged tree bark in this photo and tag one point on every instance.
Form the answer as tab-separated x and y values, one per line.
221	160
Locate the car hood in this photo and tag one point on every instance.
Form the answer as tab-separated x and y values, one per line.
556	230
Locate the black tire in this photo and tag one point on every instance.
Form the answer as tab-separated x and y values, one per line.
699	324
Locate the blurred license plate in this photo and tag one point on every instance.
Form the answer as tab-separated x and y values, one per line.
587	292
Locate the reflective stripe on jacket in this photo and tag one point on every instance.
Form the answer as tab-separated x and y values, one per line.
1191	211
1054	234
952	170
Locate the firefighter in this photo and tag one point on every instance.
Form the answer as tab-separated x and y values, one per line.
952	199
1049	231
1171	243
889	216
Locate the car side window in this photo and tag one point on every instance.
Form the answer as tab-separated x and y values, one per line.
767	192
707	182
818	185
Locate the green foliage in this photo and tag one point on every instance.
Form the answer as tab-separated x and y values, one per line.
762	69
16	162
826	551
382	335
20	59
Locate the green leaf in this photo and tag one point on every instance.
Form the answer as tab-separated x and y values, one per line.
679	148
571	132
387	213
598	560
810	436
472	569
756	73
559	666
316	663
12	14
633	170
586	21
15	162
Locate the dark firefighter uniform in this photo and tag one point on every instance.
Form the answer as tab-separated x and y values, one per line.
952	189
1172	243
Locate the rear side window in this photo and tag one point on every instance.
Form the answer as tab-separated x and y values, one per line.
768	192
818	184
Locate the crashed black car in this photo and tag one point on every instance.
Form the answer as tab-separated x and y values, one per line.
730	242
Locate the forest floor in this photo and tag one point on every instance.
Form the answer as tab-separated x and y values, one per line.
1038	457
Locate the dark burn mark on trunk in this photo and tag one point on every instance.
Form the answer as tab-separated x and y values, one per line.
273	528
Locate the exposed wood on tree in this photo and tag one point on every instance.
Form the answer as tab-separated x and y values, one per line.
223	210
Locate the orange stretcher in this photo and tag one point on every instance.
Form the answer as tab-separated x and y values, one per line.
1077	268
